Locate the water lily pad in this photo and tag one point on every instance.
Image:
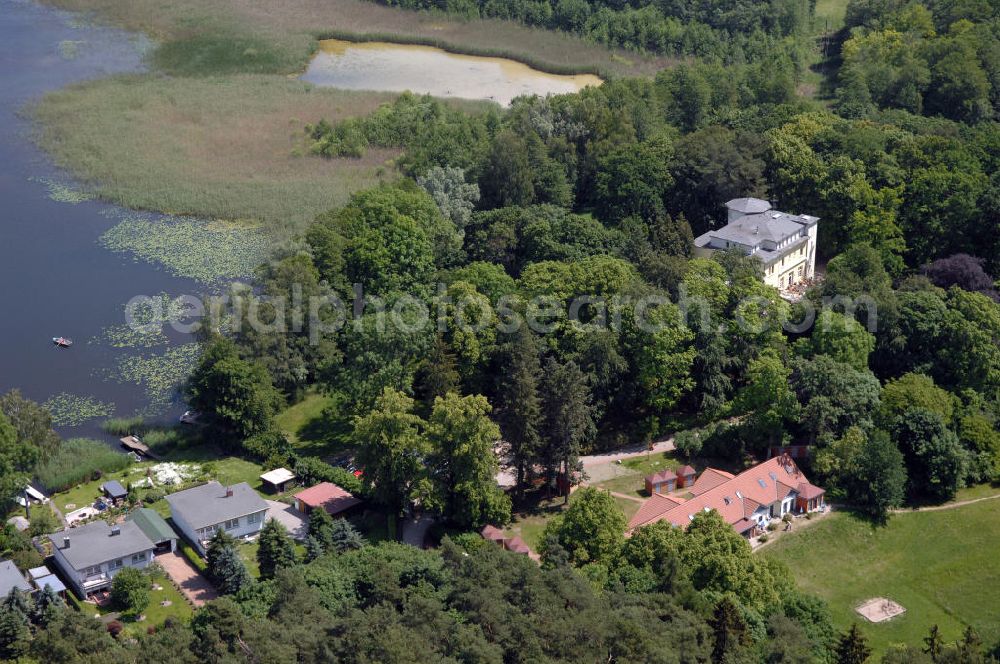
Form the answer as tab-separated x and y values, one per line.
159	374
62	192
73	409
208	251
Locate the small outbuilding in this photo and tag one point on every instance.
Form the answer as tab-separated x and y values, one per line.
685	476
492	534
664	481
114	490
278	480
328	496
517	545
53	582
156	528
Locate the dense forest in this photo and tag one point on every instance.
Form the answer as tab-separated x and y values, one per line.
675	598
730	31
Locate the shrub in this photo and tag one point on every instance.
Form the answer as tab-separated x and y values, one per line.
688	443
471	542
160	438
43	521
786	518
153	494
130	591
311	470
763	538
79	460
772	527
193	557
115	628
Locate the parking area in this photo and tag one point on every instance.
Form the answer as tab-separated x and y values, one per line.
293	520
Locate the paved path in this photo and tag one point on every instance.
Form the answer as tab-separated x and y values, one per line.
629	452
505	477
626	496
192	583
293	520
415	530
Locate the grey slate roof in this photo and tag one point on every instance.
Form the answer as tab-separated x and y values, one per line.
11	577
208	505
755	228
94	544
114	489
748	205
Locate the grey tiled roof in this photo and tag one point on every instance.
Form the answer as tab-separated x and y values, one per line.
754	228
94	544
207	505
748	205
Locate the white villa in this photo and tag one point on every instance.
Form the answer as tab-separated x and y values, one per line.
90	556
785	243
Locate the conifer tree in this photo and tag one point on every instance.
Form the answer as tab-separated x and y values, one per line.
853	647
276	551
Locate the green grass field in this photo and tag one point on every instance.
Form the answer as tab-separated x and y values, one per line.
941	566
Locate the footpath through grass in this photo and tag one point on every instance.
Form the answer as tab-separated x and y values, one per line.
942	566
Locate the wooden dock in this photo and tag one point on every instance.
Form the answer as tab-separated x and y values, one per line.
133	444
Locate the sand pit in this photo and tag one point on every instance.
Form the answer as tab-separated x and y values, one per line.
879	609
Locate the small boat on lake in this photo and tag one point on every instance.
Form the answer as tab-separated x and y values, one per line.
62	342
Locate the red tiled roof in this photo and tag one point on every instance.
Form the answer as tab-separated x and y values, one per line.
517	545
492	533
686	470
763	484
328	495
654	507
809	491
709	479
744	525
662	476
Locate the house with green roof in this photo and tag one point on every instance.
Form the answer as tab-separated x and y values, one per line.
155	528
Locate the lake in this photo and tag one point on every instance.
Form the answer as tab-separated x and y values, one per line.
428	70
56	278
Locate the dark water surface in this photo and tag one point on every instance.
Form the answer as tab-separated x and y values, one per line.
55	277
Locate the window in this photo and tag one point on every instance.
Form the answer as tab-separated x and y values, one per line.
92	571
117	564
253	518
139	557
232	523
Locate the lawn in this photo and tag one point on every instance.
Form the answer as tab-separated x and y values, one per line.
156	614
226	470
938	565
299	419
310	432
529	524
